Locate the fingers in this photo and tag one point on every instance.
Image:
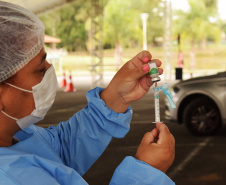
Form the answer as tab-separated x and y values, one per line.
140	71
144	56
141	58
149	137
139	64
157	61
148	80
160	70
165	137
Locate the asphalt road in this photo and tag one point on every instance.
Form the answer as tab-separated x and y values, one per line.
199	160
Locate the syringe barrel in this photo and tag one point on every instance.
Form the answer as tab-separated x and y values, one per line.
157	108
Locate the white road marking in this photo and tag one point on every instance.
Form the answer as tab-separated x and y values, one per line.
191	155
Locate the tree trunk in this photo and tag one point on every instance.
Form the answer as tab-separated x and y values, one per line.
192	56
118	56
54	33
203	44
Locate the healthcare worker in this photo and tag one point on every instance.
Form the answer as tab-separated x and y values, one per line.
31	155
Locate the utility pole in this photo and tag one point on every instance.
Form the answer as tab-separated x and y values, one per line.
144	17
96	67
168	39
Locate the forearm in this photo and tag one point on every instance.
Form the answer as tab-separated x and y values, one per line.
114	101
85	136
133	171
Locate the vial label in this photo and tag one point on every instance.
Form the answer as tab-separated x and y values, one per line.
154	71
153	68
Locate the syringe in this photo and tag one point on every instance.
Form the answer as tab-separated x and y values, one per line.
157	108
156	97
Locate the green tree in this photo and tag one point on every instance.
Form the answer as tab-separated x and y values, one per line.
122	23
71	27
121	26
196	26
155	22
68	23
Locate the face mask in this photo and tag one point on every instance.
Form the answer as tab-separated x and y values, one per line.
44	95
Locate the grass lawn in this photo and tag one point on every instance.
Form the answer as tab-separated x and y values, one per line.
212	60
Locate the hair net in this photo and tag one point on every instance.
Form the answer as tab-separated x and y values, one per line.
21	38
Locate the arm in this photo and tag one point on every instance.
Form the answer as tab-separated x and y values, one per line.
136	172
85	136
82	139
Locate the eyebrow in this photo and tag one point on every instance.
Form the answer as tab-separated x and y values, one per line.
43	58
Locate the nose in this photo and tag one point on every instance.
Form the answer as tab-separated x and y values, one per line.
48	65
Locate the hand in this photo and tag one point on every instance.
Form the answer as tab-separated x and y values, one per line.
130	83
161	154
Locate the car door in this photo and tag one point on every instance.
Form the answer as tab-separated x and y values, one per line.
221	83
224	101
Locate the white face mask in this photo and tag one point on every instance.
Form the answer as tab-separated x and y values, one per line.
44	95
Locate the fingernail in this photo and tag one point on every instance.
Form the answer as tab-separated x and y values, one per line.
146	68
146	59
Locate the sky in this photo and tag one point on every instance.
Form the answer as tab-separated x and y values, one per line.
183	4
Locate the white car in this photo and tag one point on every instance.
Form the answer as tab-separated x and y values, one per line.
200	104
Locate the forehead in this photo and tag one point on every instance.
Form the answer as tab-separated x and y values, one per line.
37	60
33	65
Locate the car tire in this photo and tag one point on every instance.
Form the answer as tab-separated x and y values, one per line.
202	117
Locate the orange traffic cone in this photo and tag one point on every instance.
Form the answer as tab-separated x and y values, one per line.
63	82
70	86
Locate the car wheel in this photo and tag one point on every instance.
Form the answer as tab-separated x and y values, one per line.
202	117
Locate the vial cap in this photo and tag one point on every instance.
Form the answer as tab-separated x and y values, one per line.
156	79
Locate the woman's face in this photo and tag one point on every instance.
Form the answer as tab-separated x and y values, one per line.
32	73
18	103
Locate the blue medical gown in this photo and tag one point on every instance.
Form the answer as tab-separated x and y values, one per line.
62	154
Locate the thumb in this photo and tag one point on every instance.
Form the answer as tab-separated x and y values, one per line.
140	71
149	137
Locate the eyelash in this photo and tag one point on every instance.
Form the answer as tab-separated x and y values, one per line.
42	70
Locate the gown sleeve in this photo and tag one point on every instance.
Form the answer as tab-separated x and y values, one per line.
135	172
83	138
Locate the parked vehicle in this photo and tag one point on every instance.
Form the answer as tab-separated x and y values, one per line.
200	104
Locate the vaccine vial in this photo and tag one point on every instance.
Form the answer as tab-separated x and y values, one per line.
154	71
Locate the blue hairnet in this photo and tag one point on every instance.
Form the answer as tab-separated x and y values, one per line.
21	38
